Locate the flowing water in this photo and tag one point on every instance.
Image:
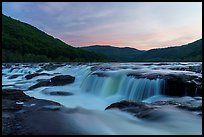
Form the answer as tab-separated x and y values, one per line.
97	85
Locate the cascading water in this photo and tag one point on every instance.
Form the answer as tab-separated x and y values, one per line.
119	84
94	90
142	88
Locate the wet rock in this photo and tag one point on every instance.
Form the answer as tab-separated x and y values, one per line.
185	103
150	110
101	74
60	93
162	63
14	94
56	93
40	70
50	107
40	84
18	119
7	65
12	69
55	81
30	76
138	109
189	103
10	105
103	68
8	85
197	69
180	87
177	83
41	80
62	80
51	66
11	99
14	76
41	64
26	65
17	65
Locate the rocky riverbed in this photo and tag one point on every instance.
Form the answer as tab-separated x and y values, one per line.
24	115
102	98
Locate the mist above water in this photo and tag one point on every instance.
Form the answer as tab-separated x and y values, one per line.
92	93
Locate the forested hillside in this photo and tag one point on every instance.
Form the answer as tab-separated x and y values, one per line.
22	42
188	52
115	53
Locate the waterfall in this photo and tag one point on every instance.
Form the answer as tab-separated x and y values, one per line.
129	88
93	84
142	88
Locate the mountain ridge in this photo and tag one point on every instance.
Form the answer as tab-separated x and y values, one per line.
22	42
188	52
114	53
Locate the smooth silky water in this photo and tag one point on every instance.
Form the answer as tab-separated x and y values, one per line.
92	94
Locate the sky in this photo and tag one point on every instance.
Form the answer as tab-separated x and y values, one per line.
140	25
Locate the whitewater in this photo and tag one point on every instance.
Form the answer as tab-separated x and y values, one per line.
97	85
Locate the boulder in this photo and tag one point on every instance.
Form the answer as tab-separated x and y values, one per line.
62	80
138	109
55	81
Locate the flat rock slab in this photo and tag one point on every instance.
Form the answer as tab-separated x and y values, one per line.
54	81
32	116
147	110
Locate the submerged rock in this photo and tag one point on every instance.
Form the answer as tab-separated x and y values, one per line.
56	93
14	76
40	84
13	69
8	85
50	108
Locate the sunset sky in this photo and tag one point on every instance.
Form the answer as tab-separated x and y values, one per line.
141	25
